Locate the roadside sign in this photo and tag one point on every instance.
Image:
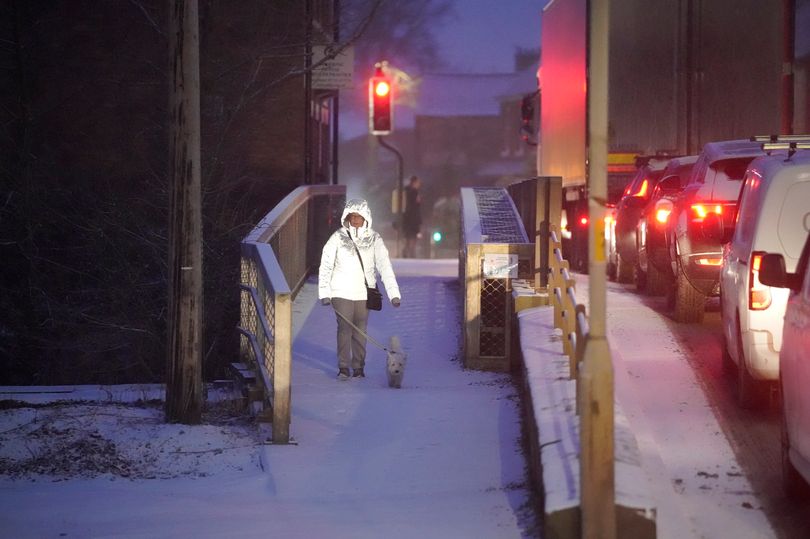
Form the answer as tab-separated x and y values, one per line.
500	266
334	74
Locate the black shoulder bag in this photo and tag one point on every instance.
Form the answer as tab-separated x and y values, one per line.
373	295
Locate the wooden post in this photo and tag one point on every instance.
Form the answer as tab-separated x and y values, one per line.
541	258
597	481
597	472
472	304
184	388
282	382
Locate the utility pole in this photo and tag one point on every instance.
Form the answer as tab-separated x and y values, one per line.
595	391
184	389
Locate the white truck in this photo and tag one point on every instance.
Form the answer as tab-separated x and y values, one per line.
681	74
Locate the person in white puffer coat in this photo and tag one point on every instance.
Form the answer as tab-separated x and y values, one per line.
342	283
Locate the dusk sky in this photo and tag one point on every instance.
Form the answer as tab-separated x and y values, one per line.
483	35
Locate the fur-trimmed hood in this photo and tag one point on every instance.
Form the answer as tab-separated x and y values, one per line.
360	207
341	275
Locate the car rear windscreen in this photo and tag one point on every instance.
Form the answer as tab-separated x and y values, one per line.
728	176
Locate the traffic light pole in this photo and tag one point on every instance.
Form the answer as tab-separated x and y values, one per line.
400	193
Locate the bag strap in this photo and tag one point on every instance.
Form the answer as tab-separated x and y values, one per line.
356	250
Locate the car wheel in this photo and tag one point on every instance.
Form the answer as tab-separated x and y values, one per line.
749	391
793	483
611	271
655	281
624	270
690	303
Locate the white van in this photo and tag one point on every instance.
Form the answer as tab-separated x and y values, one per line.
773	217
794	367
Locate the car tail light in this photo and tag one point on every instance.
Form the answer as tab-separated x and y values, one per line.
700	211
663	208
759	295
583	221
642	189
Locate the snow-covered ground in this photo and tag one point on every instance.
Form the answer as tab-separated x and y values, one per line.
440	457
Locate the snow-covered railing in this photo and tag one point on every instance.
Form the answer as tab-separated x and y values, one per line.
569	316
277	256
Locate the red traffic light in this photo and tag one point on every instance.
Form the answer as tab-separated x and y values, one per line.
382	88
380	112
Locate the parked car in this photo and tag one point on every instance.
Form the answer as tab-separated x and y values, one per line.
712	191
794	365
627	212
773	216
654	270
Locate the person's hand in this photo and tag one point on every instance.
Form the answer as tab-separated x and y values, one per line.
395	302
326	301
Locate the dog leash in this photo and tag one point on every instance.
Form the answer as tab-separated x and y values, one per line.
367	336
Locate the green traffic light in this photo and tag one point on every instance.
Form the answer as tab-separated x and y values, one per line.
437	237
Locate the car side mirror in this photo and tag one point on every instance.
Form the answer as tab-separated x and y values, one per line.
713	227
772	272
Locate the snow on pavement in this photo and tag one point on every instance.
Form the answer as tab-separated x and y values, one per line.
440	457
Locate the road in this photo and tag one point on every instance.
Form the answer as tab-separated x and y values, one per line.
754	434
645	338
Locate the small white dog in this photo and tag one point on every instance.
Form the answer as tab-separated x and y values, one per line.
396	363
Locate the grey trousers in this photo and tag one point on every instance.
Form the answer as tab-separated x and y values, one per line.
351	345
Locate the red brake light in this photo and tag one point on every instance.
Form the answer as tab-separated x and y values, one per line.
759	295
661	215
583	220
700	211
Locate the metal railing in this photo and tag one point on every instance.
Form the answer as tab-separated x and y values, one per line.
277	257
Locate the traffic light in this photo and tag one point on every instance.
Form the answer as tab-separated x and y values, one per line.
437	236
380	112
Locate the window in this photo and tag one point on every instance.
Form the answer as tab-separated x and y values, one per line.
750	201
728	178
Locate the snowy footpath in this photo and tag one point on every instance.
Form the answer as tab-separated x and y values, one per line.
439	458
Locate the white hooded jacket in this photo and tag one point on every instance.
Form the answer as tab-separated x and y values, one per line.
340	274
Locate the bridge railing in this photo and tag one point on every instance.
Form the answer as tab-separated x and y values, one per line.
277	256
569	316
494	251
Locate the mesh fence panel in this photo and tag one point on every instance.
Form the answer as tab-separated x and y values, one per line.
497	216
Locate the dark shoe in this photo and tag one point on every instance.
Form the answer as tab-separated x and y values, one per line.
358	373
343	374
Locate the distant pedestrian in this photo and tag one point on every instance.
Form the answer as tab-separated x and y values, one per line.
412	216
350	262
